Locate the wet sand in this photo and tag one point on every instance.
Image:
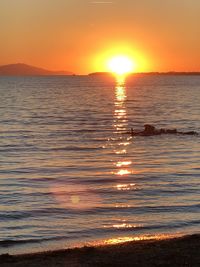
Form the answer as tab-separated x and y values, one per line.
182	251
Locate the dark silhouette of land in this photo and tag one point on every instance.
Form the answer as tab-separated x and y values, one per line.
176	252
171	73
21	69
101	74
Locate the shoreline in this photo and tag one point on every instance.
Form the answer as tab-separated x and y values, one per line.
177	251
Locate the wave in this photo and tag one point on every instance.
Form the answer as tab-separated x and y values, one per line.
15	215
104	231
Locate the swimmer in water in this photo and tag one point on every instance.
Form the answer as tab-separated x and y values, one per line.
150	130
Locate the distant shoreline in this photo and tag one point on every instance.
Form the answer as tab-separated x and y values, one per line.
21	69
105	74
179	251
171	73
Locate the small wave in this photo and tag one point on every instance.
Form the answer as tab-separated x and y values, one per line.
43	213
73	148
150	209
105	230
9	243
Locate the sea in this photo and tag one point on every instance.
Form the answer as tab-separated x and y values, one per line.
72	175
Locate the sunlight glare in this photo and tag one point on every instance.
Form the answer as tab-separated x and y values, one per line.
121	65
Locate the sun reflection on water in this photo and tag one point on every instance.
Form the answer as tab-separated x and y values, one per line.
122	172
124	187
125	239
122	225
123	151
123	163
122	141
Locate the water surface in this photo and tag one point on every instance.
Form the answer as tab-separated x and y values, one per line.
69	174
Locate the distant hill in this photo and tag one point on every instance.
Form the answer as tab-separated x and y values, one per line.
20	69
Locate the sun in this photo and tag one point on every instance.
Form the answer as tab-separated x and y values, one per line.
121	65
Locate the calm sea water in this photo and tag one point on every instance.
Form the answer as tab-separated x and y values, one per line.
68	174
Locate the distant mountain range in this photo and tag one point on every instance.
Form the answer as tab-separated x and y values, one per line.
21	69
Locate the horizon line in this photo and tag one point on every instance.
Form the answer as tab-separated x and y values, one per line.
71	73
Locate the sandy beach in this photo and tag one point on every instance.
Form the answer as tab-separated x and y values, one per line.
182	251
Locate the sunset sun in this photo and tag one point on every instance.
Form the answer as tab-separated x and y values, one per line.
121	65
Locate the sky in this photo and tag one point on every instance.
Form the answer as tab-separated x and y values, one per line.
81	35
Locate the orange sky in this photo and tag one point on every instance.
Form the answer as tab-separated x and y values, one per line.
79	35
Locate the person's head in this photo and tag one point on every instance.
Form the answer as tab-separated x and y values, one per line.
149	128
